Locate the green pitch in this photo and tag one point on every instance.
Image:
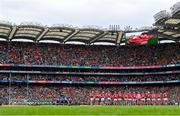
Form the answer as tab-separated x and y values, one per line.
90	110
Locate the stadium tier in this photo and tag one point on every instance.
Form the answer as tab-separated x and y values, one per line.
81	55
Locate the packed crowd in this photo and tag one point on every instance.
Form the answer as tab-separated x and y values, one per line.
81	78
80	55
88	95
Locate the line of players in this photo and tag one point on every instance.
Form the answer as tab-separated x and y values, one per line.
130	99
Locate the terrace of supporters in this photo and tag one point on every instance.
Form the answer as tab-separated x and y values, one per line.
79	55
83	55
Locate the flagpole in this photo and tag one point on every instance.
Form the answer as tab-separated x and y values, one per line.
27	93
9	96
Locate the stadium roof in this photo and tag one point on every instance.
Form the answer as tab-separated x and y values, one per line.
64	34
167	26
60	34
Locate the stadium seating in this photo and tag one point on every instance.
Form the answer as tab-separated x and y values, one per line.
16	93
77	55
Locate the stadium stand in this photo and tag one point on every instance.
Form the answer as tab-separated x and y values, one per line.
36	73
87	87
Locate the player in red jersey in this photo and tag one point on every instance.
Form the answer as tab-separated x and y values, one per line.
165	96
115	99
120	97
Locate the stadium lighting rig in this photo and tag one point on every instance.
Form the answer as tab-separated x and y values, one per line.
175	9
162	16
168	23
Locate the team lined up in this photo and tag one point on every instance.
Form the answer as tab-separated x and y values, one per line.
92	95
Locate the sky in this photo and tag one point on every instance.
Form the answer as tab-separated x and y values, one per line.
102	13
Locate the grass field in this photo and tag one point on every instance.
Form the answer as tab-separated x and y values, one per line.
90	110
